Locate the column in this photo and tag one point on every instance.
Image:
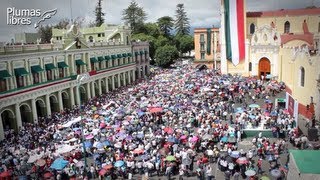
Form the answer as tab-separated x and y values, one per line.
107	84
113	84
100	86
119	83
12	84
71	64
71	94
143	72
93	90
48	105
124	79
60	101
1	130
129	77
18	116
88	91
56	70
77	95
34	111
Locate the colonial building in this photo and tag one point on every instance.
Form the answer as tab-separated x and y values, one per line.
37	80
284	45
207	47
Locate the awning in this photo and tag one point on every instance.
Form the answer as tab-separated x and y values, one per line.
141	52
4	74
100	58
20	72
36	69
80	62
113	56
119	56
93	60
107	58
50	66
62	65
129	54
124	55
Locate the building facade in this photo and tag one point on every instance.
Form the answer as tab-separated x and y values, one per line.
207	47
37	84
284	45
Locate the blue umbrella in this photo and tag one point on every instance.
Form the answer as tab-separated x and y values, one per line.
106	143
107	119
235	154
59	164
252	116
239	111
172	140
140	135
224	139
254	106
99	146
273	113
87	144
76	129
118	163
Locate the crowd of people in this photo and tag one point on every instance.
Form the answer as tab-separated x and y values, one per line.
177	122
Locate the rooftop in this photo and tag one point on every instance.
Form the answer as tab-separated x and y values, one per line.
285	12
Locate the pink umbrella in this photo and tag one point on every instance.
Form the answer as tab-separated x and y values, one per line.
194	139
286	111
155	109
168	130
90	136
267	114
102	125
183	137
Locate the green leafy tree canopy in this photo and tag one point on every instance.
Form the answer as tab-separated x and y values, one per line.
182	24
165	24
135	16
99	14
166	55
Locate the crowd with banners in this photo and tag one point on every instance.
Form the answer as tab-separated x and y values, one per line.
177	122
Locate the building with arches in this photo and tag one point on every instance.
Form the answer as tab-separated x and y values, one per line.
37	80
283	45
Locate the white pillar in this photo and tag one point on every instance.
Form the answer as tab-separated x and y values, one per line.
119	83
124	79
88	90
71	94
100	88
48	105
77	95
113	82
18	116
60	101
1	130
107	84
129	77
134	75
93	90
34	111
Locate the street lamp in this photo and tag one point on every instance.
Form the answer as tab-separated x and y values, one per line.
80	79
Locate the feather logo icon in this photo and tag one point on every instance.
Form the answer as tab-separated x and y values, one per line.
46	15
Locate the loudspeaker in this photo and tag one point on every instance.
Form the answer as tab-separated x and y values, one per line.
313	134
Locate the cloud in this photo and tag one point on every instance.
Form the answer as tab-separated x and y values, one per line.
202	13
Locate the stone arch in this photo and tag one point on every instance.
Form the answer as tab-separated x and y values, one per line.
25	112
41	107
8	119
287	27
54	104
65	99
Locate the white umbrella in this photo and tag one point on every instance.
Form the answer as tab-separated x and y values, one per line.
33	158
64	149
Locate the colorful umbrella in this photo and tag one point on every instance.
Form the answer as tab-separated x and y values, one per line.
90	136
194	139
168	130
170	158
155	109
183	137
235	154
242	160
118	163
59	164
224	139
47	175
108	167
138	151
87	144
102	172
250	172
5	174
40	162
275	173
254	106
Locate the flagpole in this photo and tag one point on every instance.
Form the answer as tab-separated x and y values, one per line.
223	59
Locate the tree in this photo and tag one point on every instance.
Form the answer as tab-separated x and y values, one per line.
166	55
45	33
62	24
99	14
182	24
151	29
165	24
162	41
185	43
135	16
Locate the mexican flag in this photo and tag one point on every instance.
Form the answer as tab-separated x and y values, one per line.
234	30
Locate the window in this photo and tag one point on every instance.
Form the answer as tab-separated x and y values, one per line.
287	27
49	75
92	66
201	37
35	78
250	66
3	85
90	39
302	76
61	72
202	55
20	81
99	35
201	47
252	28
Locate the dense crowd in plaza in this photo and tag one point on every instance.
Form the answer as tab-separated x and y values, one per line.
177	122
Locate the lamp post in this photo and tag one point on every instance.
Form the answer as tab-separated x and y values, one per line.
80	79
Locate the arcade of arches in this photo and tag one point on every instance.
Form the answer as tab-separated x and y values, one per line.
14	116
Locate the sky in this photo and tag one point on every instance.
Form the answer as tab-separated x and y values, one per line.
202	13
